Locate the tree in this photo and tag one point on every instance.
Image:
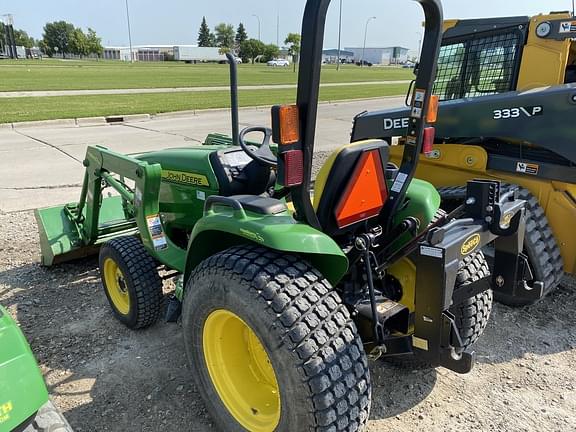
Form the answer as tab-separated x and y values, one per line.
270	52
94	43
241	35
224	37
250	49
293	42
22	39
57	36
78	43
205	36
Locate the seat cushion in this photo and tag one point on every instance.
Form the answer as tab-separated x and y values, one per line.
260	205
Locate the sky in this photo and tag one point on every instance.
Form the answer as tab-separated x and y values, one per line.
175	22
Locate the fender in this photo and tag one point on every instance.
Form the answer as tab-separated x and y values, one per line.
224	228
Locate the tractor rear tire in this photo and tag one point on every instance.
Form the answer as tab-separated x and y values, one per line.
316	365
540	244
131	282
471	315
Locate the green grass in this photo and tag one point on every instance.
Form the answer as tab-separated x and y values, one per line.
30	75
46	108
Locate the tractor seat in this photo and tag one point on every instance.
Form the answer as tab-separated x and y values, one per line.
351	186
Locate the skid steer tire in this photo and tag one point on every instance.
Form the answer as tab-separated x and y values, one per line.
539	243
131	282
471	315
317	368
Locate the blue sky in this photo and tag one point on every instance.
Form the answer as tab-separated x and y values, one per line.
177	21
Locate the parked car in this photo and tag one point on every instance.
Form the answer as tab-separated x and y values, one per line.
364	62
279	63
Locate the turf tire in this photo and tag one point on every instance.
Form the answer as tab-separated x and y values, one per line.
312	343
142	281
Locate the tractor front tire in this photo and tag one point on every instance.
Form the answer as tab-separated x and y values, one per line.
131	282
271	346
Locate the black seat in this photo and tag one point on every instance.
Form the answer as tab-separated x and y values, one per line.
335	177
260	205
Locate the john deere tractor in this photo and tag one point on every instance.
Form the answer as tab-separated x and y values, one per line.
24	403
286	291
508	95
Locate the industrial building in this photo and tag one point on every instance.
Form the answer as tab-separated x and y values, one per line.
188	53
382	56
330	56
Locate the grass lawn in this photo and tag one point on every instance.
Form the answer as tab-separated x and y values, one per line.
30	75
45	108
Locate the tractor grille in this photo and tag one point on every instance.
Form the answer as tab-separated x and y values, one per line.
478	66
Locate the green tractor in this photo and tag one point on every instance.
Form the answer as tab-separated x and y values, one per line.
24	403
287	288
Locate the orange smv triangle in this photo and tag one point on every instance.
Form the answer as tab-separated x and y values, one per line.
365	193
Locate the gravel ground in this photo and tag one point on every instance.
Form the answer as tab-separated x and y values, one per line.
108	378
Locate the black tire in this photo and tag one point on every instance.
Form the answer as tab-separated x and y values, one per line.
539	243
306	331
471	315
142	282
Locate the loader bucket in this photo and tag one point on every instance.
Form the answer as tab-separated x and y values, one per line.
62	238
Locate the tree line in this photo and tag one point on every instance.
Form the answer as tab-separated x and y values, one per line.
237	41
59	37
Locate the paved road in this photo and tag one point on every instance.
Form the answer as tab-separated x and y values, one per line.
41	166
20	94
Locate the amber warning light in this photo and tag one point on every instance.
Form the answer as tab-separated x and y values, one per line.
286	124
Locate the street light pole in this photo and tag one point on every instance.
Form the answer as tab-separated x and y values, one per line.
365	37
258	18
129	32
278	29
339	37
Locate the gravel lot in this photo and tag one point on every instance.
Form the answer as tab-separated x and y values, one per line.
107	378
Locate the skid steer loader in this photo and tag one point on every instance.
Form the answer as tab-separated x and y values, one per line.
282	305
507	103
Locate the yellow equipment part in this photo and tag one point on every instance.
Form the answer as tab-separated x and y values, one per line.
241	371
544	61
116	286
454	165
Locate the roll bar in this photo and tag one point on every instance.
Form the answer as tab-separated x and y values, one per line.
313	27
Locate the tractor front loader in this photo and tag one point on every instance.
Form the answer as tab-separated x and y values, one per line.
508	94
284	294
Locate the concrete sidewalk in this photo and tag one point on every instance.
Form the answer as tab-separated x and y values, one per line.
41	166
21	94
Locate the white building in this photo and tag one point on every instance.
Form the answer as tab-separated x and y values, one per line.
383	56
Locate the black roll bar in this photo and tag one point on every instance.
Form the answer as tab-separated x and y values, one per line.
313	27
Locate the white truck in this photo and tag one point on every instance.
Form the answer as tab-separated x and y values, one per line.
191	54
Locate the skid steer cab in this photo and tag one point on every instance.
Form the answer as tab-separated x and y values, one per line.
286	291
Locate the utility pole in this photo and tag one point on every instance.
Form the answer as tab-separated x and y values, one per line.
278	29
258	18
365	37
339	37
129	32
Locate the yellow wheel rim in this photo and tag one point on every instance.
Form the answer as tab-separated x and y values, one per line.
116	286
241	371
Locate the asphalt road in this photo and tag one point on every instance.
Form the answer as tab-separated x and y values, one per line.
41	166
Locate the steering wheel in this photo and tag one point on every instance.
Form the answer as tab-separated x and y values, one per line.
263	155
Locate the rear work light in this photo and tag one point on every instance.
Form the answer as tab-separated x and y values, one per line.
365	193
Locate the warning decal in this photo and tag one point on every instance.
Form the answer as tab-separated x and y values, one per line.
527	168
156	232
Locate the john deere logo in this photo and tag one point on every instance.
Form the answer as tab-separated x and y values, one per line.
5	410
470	244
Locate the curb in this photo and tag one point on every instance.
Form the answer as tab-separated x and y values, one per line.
136	118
